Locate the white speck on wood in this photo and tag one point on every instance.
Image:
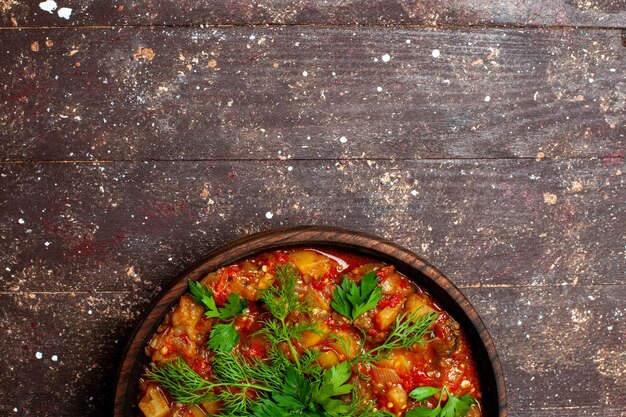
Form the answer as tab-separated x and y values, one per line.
48	6
65	13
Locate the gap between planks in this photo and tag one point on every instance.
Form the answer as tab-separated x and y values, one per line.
466	286
325	159
444	26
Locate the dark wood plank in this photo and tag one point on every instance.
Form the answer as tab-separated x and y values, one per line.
275	93
114	226
561	348
597	13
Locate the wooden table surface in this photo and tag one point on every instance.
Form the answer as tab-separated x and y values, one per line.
486	136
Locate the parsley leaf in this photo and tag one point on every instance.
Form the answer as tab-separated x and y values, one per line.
422	393
202	295
233	307
333	383
296	392
223	337
352	300
457	406
454	407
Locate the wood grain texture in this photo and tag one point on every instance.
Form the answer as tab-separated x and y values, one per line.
519	199
581	376
598	13
486	223
310	93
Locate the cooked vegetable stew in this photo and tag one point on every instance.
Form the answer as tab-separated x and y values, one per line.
308	332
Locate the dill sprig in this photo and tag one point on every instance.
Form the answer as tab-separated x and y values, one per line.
409	329
181	382
281	301
280	298
186	386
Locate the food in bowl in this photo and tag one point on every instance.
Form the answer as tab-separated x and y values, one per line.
311	332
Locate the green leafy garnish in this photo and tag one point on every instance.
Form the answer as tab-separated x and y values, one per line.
234	305
352	300
281	298
333	383
454	406
300	396
281	301
200	294
409	329
186	386
224	337
423	393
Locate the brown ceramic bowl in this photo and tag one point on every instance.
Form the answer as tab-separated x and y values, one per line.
414	267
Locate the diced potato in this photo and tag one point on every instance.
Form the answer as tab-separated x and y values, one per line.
398	396
210	279
186	315
386	316
197	411
211	407
311	263
346	343
402	364
310	339
315	299
154	404
395	284
328	359
416	304
397	360
364	269
266	281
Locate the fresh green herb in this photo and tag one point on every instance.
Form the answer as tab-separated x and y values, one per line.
281	301
407	331
422	393
186	386
333	383
454	406
224	337
281	389
234	305
352	300
300	396
281	298
202	295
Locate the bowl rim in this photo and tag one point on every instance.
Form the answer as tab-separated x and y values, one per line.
432	278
